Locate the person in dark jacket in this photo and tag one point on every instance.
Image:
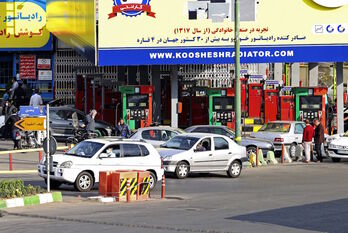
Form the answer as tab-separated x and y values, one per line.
123	129
318	139
12	121
90	121
19	96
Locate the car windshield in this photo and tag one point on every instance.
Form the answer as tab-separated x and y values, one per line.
85	149
276	127
181	143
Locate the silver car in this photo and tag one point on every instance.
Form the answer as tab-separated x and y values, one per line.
288	133
156	135
200	152
250	143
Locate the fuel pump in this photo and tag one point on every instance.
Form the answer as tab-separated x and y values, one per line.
271	98
310	103
221	107
137	105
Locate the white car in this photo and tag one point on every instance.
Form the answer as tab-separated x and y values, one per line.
338	148
156	135
198	152
288	133
81	165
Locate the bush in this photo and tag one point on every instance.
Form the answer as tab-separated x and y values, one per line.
16	188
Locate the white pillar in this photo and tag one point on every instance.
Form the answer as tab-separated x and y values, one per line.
174	93
340	101
278	72
263	68
295	74
313	69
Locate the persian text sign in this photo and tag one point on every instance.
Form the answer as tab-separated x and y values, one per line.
193	32
27	68
23	25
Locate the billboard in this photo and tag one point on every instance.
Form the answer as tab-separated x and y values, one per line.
73	22
23	26
140	32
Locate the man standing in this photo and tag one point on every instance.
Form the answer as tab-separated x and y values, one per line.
36	100
14	87
90	122
123	129
308	134
318	139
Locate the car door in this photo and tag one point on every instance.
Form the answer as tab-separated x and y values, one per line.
298	132
57	122
113	161
221	152
202	159
131	157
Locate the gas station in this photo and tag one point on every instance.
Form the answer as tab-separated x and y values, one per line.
187	92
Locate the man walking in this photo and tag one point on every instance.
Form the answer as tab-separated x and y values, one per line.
123	129
308	134
318	139
35	99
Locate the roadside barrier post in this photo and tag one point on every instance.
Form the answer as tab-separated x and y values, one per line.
257	156
128	190
10	161
283	151
163	194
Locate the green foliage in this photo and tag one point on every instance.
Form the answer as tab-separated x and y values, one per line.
16	188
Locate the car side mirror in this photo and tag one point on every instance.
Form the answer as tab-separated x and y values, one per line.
103	155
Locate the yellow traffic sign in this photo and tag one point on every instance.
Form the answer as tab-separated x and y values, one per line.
31	124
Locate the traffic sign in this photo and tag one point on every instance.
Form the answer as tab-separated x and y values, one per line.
30	111
31	124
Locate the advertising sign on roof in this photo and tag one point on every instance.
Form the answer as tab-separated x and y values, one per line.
23	25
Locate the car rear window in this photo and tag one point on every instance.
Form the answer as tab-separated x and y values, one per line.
144	150
131	150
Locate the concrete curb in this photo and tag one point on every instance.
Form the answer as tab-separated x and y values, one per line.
31	200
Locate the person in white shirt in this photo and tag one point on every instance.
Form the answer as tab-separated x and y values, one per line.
35	99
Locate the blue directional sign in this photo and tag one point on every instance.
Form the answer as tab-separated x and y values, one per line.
30	111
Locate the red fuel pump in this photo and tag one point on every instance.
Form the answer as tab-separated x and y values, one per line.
271	105
287	108
255	100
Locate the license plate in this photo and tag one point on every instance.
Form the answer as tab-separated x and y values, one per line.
342	152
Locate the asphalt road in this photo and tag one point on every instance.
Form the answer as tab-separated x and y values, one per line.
290	198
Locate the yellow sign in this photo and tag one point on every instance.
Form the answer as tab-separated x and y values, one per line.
23	24
31	124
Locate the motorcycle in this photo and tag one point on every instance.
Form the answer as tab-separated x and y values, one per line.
28	140
80	133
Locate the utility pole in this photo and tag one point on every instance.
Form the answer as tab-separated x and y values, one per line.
237	99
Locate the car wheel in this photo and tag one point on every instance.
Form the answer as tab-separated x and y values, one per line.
54	184
250	150
336	160
292	151
84	182
153	180
182	170
235	169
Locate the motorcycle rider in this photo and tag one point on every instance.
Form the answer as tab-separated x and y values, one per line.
90	121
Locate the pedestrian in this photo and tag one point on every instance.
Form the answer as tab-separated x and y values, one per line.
15	131
14	87
5	97
35	99
123	129
19	95
308	134
90	121
318	139
7	109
